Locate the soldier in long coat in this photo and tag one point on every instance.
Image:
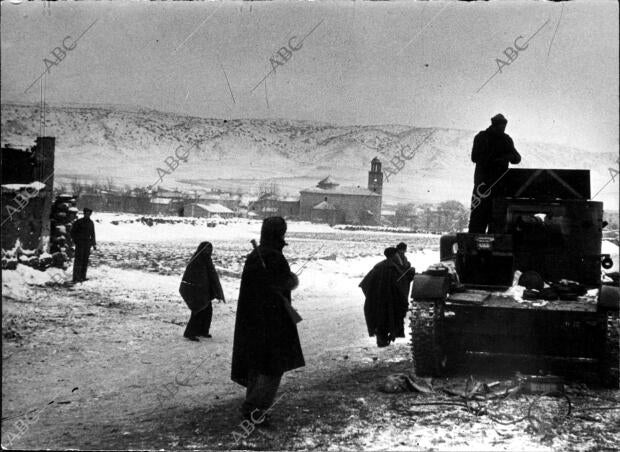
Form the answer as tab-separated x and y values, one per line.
83	235
200	285
266	342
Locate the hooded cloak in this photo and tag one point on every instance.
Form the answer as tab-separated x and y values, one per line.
201	283
385	307
266	338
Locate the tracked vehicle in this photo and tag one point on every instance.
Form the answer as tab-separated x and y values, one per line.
472	306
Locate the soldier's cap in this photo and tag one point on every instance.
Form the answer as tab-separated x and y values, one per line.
402	246
499	119
87	210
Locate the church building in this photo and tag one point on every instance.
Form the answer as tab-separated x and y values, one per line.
331	203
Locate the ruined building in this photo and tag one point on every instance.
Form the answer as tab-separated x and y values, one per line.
27	183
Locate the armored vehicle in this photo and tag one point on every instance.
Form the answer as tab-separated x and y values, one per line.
529	291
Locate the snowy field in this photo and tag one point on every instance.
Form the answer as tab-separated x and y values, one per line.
165	248
117	339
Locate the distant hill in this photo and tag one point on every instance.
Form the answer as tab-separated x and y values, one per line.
128	144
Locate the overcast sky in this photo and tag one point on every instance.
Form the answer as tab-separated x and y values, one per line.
412	63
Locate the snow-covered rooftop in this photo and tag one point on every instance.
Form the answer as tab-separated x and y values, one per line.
36	185
161	201
214	208
328	182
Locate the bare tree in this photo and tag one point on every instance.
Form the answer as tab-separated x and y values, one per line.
77	186
404	214
58	189
109	184
268	188
454	215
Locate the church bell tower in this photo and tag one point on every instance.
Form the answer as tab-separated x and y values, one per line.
375	176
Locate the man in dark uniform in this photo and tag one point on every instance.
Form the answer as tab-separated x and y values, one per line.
492	151
83	235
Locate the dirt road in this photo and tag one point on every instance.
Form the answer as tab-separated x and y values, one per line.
124	351
110	355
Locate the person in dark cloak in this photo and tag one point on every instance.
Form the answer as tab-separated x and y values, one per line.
200	285
385	307
492	151
407	271
266	342
83	236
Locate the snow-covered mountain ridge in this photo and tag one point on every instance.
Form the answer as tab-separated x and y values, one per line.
128	144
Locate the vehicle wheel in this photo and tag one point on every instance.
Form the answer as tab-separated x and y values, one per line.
611	358
426	338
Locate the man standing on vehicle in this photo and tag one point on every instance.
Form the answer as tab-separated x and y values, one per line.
83	235
492	151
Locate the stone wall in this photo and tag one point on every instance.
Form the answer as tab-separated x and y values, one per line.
26	223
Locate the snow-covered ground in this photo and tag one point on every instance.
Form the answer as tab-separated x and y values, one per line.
126	241
323	254
112	227
324	257
123	227
118	337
